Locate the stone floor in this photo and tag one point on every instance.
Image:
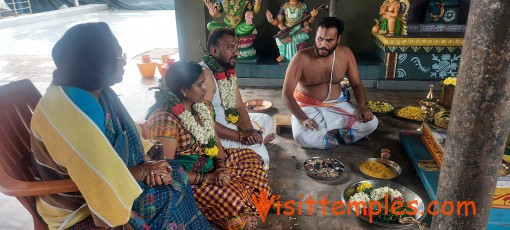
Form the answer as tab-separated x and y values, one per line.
289	180
28	56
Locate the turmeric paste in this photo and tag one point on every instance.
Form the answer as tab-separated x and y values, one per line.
376	170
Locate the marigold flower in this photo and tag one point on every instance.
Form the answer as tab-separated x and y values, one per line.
363	186
232	118
211	152
450	81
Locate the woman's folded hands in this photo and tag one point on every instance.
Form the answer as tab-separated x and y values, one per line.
156	173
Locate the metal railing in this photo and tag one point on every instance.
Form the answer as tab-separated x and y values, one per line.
20	7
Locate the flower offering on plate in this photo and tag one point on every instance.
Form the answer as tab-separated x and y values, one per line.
380	106
414	113
396	203
504	169
442	118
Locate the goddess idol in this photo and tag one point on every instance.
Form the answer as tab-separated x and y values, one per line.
290	13
238	16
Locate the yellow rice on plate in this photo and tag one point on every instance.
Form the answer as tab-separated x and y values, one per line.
376	170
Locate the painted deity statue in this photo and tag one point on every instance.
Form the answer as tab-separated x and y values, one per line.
389	25
238	15
290	13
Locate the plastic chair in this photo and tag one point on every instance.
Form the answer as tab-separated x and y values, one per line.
17	102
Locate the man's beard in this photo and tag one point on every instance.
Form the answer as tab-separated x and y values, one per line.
228	64
317	49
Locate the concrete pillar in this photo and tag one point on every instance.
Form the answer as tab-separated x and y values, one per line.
332	8
480	117
190	22
76	3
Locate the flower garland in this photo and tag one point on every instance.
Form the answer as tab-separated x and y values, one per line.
227	85
366	193
204	133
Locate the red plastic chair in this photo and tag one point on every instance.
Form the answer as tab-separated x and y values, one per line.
17	102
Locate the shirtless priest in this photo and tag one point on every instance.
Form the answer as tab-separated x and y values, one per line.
323	117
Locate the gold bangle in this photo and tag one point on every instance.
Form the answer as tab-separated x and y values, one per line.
240	134
143	173
197	176
204	179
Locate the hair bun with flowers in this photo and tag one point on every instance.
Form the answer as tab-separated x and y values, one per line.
165	97
204	133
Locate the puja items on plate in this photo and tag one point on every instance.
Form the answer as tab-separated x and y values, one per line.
504	170
323	168
366	193
376	170
411	112
380	106
441	119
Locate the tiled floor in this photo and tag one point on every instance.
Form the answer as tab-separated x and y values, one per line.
139	31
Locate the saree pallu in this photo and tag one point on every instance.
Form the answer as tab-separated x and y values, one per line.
61	141
230	206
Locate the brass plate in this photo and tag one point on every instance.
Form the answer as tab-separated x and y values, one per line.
258	105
